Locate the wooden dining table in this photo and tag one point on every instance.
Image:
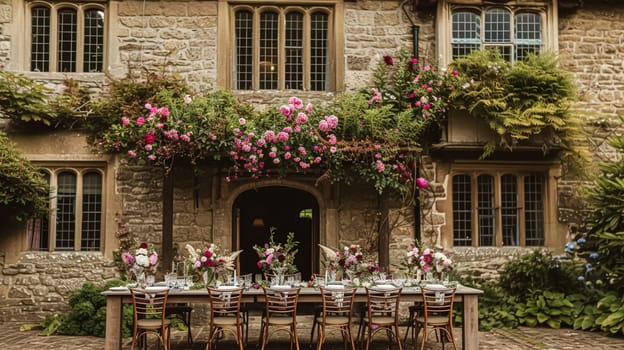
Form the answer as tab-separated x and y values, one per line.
115	299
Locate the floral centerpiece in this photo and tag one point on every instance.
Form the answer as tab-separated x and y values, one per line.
412	261
211	263
277	258
144	260
356	263
432	261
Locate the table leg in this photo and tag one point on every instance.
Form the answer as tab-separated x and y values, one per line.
113	323
470	330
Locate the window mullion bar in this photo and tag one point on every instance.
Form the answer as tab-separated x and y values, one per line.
53	211
498	229
474	199
281	53
521	213
307	52
80	33
54	40
256	50
78	213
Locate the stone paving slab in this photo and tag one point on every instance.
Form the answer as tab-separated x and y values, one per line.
11	338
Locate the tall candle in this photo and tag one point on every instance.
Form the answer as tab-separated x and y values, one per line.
235	280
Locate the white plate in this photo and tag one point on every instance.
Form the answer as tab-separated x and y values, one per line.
228	288
281	286
155	288
119	289
435	286
335	286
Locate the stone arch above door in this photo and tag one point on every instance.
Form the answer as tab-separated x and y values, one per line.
278	193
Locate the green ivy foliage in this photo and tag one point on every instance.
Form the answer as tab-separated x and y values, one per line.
22	187
22	99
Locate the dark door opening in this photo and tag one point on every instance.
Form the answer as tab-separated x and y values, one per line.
287	210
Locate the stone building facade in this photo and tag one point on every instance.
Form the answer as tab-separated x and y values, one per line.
194	39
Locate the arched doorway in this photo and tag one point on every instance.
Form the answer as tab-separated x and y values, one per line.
287	210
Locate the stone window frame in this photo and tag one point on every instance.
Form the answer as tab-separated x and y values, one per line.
226	35
550	175
545	8
53	171
80	8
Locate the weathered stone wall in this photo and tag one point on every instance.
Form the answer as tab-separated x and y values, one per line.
590	47
41	283
177	36
5	41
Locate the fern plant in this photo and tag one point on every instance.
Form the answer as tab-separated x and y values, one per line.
522	101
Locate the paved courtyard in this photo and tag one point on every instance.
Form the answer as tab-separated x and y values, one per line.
523	338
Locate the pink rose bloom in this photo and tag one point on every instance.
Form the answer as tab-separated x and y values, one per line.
140	121
301	118
282	136
286	111
185	138
333	149
317	160
127	258
242	121
187	99
164	111
151	157
148	106
324	126
422	183
148	147
297	128
269	135
153	259
332	139
125	121
259	264
132	153
269	259
276	161
309	108
332	120
149	138
380	166
295	102
160	126
302	150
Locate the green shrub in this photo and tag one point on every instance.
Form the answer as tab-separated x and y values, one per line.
549	308
87	314
536	272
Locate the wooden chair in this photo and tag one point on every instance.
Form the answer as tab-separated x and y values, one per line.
225	314
280	314
437	315
149	316
247	308
336	314
382	313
